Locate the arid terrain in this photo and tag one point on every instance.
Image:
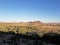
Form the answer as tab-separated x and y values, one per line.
29	33
26	27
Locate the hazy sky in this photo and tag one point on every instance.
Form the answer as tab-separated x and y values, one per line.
29	10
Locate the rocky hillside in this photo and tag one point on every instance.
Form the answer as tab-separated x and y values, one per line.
10	38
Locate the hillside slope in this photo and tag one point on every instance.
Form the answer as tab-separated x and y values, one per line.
36	26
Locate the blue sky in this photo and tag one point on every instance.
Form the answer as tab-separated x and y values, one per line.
29	10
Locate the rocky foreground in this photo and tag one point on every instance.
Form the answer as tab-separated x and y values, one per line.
10	38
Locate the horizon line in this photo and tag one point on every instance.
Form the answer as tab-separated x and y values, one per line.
26	21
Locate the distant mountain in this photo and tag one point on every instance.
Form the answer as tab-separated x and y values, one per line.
35	22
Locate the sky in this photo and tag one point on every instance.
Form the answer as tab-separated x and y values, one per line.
29	10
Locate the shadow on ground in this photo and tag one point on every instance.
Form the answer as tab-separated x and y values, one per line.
10	38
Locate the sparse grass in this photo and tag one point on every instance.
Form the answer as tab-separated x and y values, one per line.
29	27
